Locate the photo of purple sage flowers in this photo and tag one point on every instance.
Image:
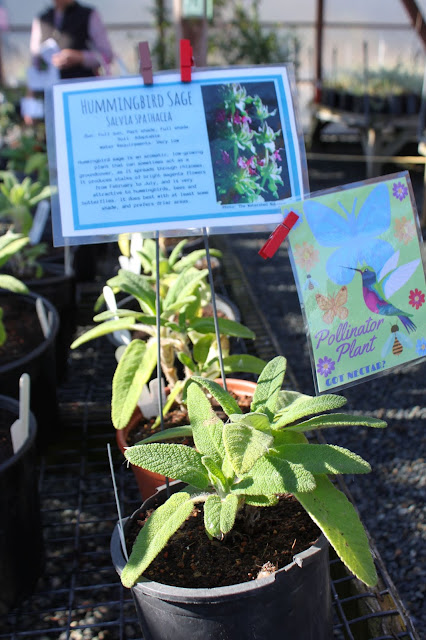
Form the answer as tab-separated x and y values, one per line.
246	142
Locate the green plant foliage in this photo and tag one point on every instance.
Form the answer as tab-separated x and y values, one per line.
18	200
185	336
10	244
252	459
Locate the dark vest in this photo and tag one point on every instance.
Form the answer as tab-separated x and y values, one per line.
73	34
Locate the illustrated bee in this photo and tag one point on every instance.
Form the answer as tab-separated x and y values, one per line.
396	342
310	283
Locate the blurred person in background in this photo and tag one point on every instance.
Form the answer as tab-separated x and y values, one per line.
82	46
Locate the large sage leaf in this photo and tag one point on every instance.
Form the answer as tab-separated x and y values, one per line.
103	329
243	362
219	515
155	534
297	406
324	458
245	445
132	373
12	284
137	286
175	461
207	427
226	401
184	285
226	327
337	420
268	387
273	474
337	518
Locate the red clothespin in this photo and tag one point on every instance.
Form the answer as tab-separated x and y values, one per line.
186	60
274	241
145	63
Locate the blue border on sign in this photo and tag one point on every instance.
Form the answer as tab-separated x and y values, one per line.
227	213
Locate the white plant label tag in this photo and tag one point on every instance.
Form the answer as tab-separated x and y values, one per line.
19	430
40	218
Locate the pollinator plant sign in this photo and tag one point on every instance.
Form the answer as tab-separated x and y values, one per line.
357	261
221	152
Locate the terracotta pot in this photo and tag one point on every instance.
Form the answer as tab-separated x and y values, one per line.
148	481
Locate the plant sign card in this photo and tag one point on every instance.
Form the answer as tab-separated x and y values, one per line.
220	152
357	261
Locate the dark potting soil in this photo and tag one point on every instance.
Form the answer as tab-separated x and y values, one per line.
23	331
263	540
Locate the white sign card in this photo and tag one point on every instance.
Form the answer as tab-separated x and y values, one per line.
223	151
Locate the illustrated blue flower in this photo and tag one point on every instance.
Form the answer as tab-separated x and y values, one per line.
325	366
399	191
355	236
421	347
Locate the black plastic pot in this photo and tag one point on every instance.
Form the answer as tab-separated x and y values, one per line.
59	288
21	540
40	364
294	603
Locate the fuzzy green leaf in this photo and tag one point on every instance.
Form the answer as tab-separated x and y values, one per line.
337	518
184	285
285	436
226	401
226	327
176	461
337	420
12	284
186	360
256	420
201	348
324	458
132	373
268	387
298	405
137	286
184	431
261	501
272	474
243	363
11	243
219	515
228	512
193	257
244	445
212	509
207	427
140	318
103	329
215	473
155	534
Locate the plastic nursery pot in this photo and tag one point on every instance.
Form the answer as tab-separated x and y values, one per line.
59	288
38	360
21	541
148	481
294	603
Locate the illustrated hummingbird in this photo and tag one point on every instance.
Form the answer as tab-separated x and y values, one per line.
377	290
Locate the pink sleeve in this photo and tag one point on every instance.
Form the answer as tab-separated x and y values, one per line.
102	52
35	39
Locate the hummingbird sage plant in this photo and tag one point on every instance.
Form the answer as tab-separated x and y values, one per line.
252	459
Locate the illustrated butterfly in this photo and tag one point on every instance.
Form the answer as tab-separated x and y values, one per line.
355	236
333	305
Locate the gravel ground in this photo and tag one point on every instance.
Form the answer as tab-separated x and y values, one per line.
391	499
